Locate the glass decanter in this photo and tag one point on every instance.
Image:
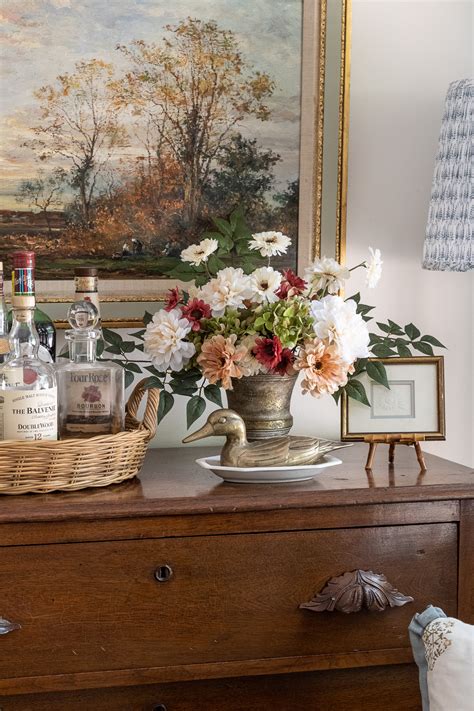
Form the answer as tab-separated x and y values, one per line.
90	392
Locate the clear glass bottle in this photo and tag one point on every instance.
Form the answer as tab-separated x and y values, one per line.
4	327
28	392
91	392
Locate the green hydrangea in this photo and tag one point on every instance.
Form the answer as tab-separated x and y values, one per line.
291	321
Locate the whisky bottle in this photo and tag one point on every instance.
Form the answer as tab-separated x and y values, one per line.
23	276
4	328
28	392
91	392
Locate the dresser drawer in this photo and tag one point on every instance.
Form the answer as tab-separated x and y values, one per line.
356	689
99	606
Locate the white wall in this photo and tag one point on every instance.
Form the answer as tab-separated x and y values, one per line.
404	54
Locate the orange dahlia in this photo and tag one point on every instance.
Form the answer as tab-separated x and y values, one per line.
220	359
323	370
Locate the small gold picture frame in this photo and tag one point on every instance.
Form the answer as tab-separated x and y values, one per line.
410	412
413	405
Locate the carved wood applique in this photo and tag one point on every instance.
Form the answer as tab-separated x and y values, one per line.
354	590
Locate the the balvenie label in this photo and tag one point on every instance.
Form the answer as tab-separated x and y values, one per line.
88	394
29	415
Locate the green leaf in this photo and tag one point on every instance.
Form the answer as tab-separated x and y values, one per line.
213	394
396	329
129	378
147	318
434	341
412	331
116	350
360	365
382	351
223	226
152	382
128	346
154	371
423	348
194	409
183	388
377	372
112	337
132	367
403	350
356	391
99	348
165	404
337	395
215	264
355	298
138	334
384	327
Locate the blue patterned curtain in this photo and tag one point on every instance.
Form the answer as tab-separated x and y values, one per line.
449	233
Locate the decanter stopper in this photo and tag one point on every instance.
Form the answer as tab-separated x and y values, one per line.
83	316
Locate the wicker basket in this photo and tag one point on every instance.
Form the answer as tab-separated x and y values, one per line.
71	464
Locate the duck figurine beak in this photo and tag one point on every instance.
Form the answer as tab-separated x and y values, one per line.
206	430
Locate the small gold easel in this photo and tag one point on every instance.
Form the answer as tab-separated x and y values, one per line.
392	440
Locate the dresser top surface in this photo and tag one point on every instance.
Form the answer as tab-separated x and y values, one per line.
172	483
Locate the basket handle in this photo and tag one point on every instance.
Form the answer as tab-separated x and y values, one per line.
149	421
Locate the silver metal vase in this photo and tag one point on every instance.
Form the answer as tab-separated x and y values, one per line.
263	402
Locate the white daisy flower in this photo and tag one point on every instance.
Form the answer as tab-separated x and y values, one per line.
229	288
165	340
327	273
374	268
264	282
336	322
270	244
197	253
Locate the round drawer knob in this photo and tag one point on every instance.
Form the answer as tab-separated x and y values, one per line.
160	707
163	574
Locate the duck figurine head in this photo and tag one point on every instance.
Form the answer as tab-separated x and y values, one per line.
226	423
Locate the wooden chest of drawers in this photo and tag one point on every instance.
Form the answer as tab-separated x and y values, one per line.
178	592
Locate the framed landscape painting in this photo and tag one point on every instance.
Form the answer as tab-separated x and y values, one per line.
128	126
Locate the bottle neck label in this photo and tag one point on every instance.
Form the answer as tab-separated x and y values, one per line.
23	281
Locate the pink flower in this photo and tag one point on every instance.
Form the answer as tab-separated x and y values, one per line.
194	311
92	394
323	370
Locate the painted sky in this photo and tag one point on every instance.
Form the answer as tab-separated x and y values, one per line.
42	38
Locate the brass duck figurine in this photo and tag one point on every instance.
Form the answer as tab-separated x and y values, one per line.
273	452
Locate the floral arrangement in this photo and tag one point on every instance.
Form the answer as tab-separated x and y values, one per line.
240	316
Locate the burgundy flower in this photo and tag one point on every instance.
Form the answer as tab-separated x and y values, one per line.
194	311
173	299
285	366
291	285
268	351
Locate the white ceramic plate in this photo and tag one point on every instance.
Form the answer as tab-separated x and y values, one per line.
266	475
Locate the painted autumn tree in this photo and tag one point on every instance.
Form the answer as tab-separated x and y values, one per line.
193	88
80	124
44	192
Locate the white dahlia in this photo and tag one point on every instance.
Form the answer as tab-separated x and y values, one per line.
251	364
270	244
165	340
336	322
328	274
229	288
374	268
197	253
264	282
